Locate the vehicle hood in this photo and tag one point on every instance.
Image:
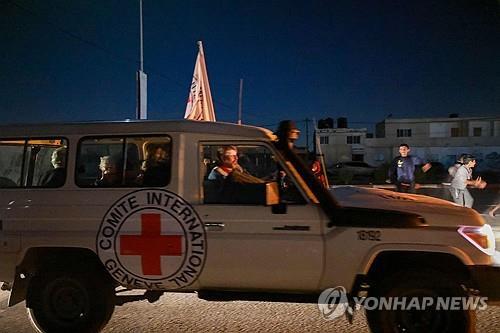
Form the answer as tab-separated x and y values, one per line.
436	212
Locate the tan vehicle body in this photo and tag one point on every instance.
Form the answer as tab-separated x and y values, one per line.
245	248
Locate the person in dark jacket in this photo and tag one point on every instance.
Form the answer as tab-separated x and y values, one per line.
402	169
156	168
56	176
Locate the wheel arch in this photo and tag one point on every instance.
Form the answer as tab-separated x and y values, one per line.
388	262
53	258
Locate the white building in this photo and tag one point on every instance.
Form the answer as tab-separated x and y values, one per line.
342	144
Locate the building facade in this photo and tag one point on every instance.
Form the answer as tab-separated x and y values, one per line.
434	139
342	144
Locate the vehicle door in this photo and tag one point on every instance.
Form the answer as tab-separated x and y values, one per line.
251	245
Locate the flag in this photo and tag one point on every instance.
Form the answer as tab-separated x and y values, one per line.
200	105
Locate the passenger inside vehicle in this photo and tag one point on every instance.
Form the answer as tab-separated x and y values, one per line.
109	172
156	167
56	176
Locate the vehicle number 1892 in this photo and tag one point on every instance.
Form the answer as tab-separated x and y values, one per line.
369	235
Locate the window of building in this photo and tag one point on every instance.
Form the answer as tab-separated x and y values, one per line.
124	161
324	140
438	130
33	162
403	132
455	132
353	139
477	131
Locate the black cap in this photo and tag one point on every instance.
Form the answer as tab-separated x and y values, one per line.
467	158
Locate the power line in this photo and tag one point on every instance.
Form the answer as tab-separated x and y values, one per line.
72	35
95	45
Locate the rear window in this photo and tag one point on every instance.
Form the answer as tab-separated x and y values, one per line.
33	162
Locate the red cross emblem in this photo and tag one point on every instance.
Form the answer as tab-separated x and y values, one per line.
151	244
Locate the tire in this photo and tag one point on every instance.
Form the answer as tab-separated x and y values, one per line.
73	302
420	284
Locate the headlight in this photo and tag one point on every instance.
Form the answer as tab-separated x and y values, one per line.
481	237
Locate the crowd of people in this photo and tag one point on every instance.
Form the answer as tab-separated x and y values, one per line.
402	174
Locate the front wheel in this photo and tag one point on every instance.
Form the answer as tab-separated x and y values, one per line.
76	302
421	288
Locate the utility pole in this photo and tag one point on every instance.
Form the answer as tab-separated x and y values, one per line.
307	134
240	104
141	77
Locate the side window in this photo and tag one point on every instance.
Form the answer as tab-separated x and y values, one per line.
244	174
136	161
33	163
11	162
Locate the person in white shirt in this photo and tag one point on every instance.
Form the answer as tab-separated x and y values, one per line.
462	179
453	169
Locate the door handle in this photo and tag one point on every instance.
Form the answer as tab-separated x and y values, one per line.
211	226
293	227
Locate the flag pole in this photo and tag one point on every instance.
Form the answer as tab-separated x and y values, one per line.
141	77
141	51
200	47
307	135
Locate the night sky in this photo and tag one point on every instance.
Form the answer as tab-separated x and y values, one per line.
76	60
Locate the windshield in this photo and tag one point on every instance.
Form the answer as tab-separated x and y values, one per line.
323	195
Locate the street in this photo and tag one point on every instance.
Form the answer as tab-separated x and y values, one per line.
178	312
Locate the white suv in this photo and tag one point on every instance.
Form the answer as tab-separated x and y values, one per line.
267	231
